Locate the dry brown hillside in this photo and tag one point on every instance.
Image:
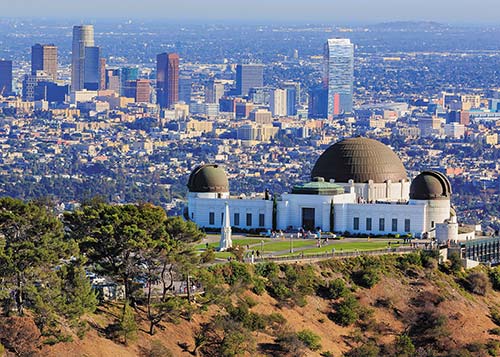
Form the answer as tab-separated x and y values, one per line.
377	306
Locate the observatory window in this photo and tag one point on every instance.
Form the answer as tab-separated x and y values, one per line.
381	224
236	219
407	225
394	224
262	220
368	224
355	224
211	218
249	219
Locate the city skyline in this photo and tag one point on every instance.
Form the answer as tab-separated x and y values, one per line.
277	11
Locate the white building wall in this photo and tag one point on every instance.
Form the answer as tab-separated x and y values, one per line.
387	191
345	216
290	209
437	211
199	210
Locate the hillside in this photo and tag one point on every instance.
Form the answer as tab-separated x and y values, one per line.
357	307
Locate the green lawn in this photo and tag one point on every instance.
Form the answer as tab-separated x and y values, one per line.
285	244
344	247
242	241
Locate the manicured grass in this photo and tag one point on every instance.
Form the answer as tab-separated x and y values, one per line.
242	241
285	244
345	247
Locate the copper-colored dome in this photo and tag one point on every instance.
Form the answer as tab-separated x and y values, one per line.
208	178
430	185
359	159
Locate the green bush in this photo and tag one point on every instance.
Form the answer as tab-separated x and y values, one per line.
410	259
336	289
495	278
259	285
478	283
367	277
208	256
310	339
404	346
346	311
455	263
267	270
495	316
495	331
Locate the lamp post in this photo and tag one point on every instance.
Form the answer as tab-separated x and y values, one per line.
291	243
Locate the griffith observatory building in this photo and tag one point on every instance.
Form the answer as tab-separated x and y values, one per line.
358	185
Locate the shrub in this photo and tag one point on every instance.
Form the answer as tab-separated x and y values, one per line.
369	349
410	259
495	278
157	349
478	283
267	270
495	331
455	262
259	286
208	256
347	311
367	277
310	339
404	346
428	256
495	316
336	289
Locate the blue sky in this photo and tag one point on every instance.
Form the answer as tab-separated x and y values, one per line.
325	11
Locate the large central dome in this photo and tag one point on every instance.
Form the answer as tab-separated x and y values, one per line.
359	159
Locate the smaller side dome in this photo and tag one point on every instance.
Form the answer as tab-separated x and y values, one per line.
430	185
208	178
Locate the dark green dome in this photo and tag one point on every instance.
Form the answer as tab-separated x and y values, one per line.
361	160
208	178
430	185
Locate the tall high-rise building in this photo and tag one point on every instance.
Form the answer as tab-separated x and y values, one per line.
185	89
83	37
292	96
92	68
339	75
44	58
143	91
113	80
278	102
102	73
167	79
128	74
214	90
248	76
318	102
5	77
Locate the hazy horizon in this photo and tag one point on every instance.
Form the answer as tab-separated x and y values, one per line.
278	11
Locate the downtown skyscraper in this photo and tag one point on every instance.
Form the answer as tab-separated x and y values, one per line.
83	39
248	76
5	77
339	75
44	58
167	79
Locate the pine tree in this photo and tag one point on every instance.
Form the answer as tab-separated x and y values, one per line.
128	326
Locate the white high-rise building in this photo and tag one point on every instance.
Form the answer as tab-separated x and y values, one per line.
83	36
339	75
278	103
